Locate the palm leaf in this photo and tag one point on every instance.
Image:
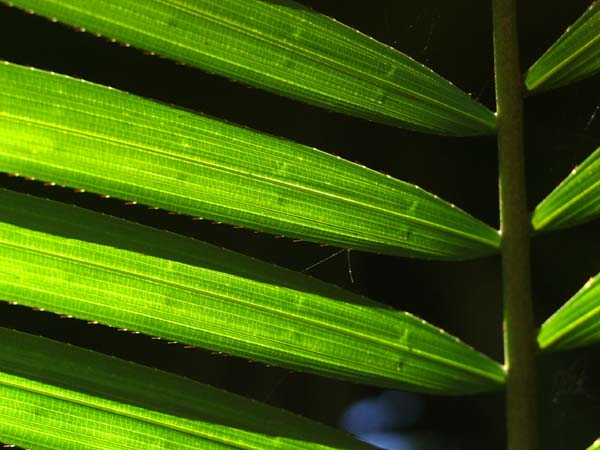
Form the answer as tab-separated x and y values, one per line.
595	445
65	220
576	55
57	396
574	201
253	319
576	323
288	49
91	137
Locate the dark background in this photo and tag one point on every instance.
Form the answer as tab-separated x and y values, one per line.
455	40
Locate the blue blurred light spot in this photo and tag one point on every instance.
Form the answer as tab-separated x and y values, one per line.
364	416
389	441
392	410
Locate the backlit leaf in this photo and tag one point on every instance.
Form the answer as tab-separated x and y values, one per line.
575	200
86	136
288	49
595	445
57	396
68	221
576	323
241	316
576	55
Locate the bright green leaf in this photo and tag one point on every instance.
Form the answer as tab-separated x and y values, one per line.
253	319
576	323
91	137
576	55
575	200
68	221
595	445
286	48
57	396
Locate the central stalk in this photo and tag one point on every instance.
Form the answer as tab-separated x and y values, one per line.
520	346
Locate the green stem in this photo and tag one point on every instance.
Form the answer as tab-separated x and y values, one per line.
519	333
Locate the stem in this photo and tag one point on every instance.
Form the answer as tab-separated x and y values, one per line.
519	334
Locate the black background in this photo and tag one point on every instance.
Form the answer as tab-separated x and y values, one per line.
455	40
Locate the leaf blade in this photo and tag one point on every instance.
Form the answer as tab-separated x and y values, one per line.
248	318
290	50
71	222
595	445
87	136
153	407
576	323
574	200
574	56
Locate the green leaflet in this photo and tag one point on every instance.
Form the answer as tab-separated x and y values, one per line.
595	445
288	49
576	323
91	137
57	396
68	221
576	55
574	201
240	316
